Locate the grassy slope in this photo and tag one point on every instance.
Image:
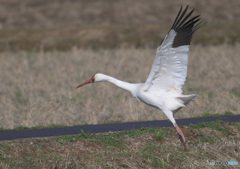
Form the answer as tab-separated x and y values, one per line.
144	148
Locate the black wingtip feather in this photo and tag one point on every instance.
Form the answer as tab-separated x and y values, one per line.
185	10
190	13
174	23
199	25
185	27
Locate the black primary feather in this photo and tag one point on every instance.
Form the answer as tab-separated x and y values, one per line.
185	27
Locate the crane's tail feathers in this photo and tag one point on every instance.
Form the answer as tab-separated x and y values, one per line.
185	99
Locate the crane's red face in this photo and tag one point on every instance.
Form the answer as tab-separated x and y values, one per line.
88	81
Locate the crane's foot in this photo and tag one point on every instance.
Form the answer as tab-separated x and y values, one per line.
181	136
183	141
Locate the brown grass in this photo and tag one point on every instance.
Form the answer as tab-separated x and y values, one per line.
38	89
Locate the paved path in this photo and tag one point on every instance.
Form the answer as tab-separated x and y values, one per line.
47	132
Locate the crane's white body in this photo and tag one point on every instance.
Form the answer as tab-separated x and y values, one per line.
163	87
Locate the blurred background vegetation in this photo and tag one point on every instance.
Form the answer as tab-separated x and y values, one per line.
61	25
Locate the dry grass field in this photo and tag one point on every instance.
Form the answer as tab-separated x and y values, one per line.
47	48
39	89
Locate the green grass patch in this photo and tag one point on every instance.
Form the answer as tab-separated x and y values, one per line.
151	157
31	128
235	92
213	125
227	113
114	140
217	125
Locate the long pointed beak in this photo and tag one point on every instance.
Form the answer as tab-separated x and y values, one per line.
88	81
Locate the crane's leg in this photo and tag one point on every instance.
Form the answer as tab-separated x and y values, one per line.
169	114
181	135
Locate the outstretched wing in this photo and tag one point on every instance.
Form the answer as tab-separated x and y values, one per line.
169	69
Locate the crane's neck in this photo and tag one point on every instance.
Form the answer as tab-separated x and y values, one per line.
124	85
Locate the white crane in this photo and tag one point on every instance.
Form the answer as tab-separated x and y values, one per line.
162	88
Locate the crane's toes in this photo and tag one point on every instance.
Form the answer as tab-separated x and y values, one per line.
185	144
181	135
183	141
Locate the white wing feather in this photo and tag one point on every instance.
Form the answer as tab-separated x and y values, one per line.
169	69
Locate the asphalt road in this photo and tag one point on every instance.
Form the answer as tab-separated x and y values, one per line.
47	132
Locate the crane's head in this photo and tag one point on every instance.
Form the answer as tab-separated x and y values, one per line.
95	78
